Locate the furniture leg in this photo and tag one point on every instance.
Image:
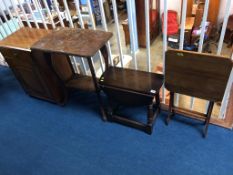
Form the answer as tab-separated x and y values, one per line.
157	103
97	89
170	110
150	115
208	116
104	52
156	108
110	110
71	66
123	87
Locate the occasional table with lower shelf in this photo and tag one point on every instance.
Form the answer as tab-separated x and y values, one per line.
61	44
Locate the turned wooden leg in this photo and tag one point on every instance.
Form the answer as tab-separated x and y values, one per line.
150	115
110	110
102	110
97	89
158	103
208	116
170	110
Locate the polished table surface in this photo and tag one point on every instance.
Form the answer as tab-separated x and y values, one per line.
77	42
197	74
65	42
132	88
24	38
38	58
137	81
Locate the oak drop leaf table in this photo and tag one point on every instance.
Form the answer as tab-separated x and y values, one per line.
132	88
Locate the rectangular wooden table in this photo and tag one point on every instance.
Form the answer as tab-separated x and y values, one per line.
132	88
198	75
72	42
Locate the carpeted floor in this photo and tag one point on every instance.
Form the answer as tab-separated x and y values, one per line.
40	138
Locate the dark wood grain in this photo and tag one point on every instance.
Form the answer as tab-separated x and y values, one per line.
64	43
33	82
138	81
132	88
200	75
16	50
55	85
105	54
21	64
77	42
64	69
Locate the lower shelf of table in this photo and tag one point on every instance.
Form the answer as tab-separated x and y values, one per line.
81	82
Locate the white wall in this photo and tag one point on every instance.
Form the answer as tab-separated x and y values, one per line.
222	10
8	3
172	5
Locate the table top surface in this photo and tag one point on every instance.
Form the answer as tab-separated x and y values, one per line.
24	38
197	74
132	80
77	42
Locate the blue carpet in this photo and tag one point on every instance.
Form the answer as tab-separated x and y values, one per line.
40	138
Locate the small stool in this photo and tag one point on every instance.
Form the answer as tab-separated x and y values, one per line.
132	88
